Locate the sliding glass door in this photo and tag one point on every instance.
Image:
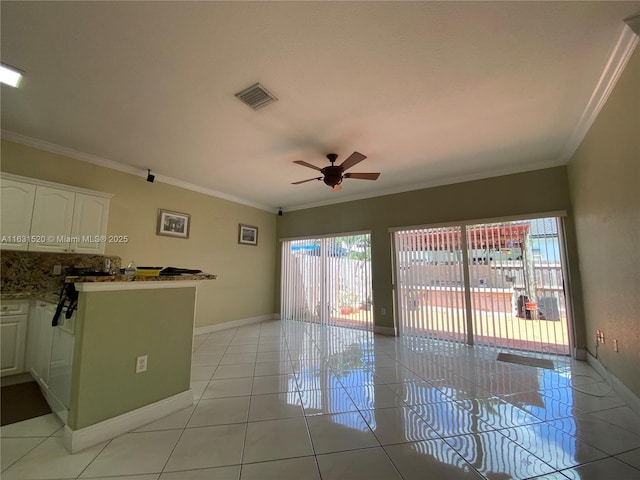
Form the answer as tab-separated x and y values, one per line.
327	280
430	283
498	284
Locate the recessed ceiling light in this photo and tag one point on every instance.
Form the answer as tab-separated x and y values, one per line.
10	76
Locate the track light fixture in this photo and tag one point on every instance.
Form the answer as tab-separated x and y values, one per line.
280	212
150	176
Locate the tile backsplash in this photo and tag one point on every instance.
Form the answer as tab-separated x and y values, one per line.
32	272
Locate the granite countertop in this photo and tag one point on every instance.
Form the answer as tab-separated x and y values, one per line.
51	297
139	278
54	297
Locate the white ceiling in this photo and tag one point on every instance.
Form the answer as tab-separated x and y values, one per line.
431	92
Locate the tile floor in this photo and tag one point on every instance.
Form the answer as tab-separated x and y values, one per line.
288	400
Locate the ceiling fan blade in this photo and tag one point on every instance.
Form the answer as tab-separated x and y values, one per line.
355	157
305	164
362	176
337	188
305	181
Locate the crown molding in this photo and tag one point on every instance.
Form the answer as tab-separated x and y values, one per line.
620	55
634	23
122	167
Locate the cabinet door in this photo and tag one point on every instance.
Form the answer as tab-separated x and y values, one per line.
46	336
61	367
33	338
17	207
13	332
52	220
90	216
40	342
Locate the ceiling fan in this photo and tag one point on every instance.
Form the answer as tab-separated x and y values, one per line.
334	174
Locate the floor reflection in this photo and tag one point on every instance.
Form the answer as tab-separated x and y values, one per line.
328	402
453	408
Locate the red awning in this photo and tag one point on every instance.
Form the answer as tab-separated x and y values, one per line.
494	236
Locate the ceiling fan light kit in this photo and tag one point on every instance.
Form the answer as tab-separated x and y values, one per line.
333	175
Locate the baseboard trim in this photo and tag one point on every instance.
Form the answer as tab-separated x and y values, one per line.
385	330
234	324
77	440
16	379
580	353
630	398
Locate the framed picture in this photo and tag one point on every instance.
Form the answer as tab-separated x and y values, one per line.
173	224
247	235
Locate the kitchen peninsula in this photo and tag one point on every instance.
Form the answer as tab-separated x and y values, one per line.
125	324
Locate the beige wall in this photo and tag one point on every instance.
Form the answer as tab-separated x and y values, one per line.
245	273
112	329
604	179
532	192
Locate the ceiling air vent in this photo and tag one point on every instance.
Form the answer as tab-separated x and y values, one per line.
256	96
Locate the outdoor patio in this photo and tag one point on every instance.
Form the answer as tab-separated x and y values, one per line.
497	329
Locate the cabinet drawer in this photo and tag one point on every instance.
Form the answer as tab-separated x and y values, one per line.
14	307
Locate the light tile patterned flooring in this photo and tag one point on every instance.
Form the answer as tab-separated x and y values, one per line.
289	400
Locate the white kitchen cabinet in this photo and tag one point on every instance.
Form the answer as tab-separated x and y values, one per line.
13	334
61	366
39	342
17	207
90	215
50	355
52	220
48	217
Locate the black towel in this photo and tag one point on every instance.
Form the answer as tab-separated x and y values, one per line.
178	271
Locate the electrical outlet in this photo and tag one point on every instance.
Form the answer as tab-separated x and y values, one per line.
383	311
57	269
141	363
